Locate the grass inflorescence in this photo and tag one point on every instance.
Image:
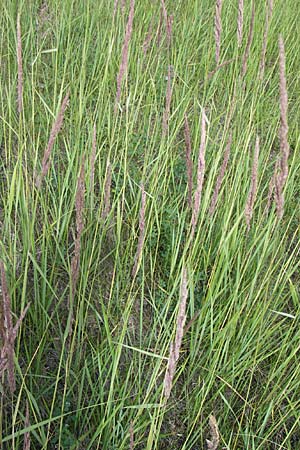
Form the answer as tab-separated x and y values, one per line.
149	217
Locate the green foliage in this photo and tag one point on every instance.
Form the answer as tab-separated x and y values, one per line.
91	367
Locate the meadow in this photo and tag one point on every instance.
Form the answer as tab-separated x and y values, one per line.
149	214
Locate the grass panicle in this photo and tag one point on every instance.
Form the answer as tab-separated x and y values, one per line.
240	22
8	332
271	188
168	22
176	345
131	436
265	39
249	41
54	132
188	160
105	357
107	192
214	441
282	174
218	29
148	38
27	441
124	54
220	177
159	28
7	351
200	175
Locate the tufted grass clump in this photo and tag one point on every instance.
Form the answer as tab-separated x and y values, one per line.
155	237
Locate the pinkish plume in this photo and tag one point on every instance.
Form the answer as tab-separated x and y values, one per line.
7	352
148	38
265	39
240	22
220	176
218	29
249	41
124	57
283	134
200	174
107	190
8	333
168	22
54	132
169	29
131	435
26	445
271	188
161	18
176	345
188	158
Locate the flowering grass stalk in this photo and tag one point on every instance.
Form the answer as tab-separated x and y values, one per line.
27	443
283	134
8	333
148	38
176	345
220	176
240	22
54	132
200	175
249	41
168	22
124	55
107	191
265	39
271	188
218	29
159	29
131	436
188	159
214	441
7	352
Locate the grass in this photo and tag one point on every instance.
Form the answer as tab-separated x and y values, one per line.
93	370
